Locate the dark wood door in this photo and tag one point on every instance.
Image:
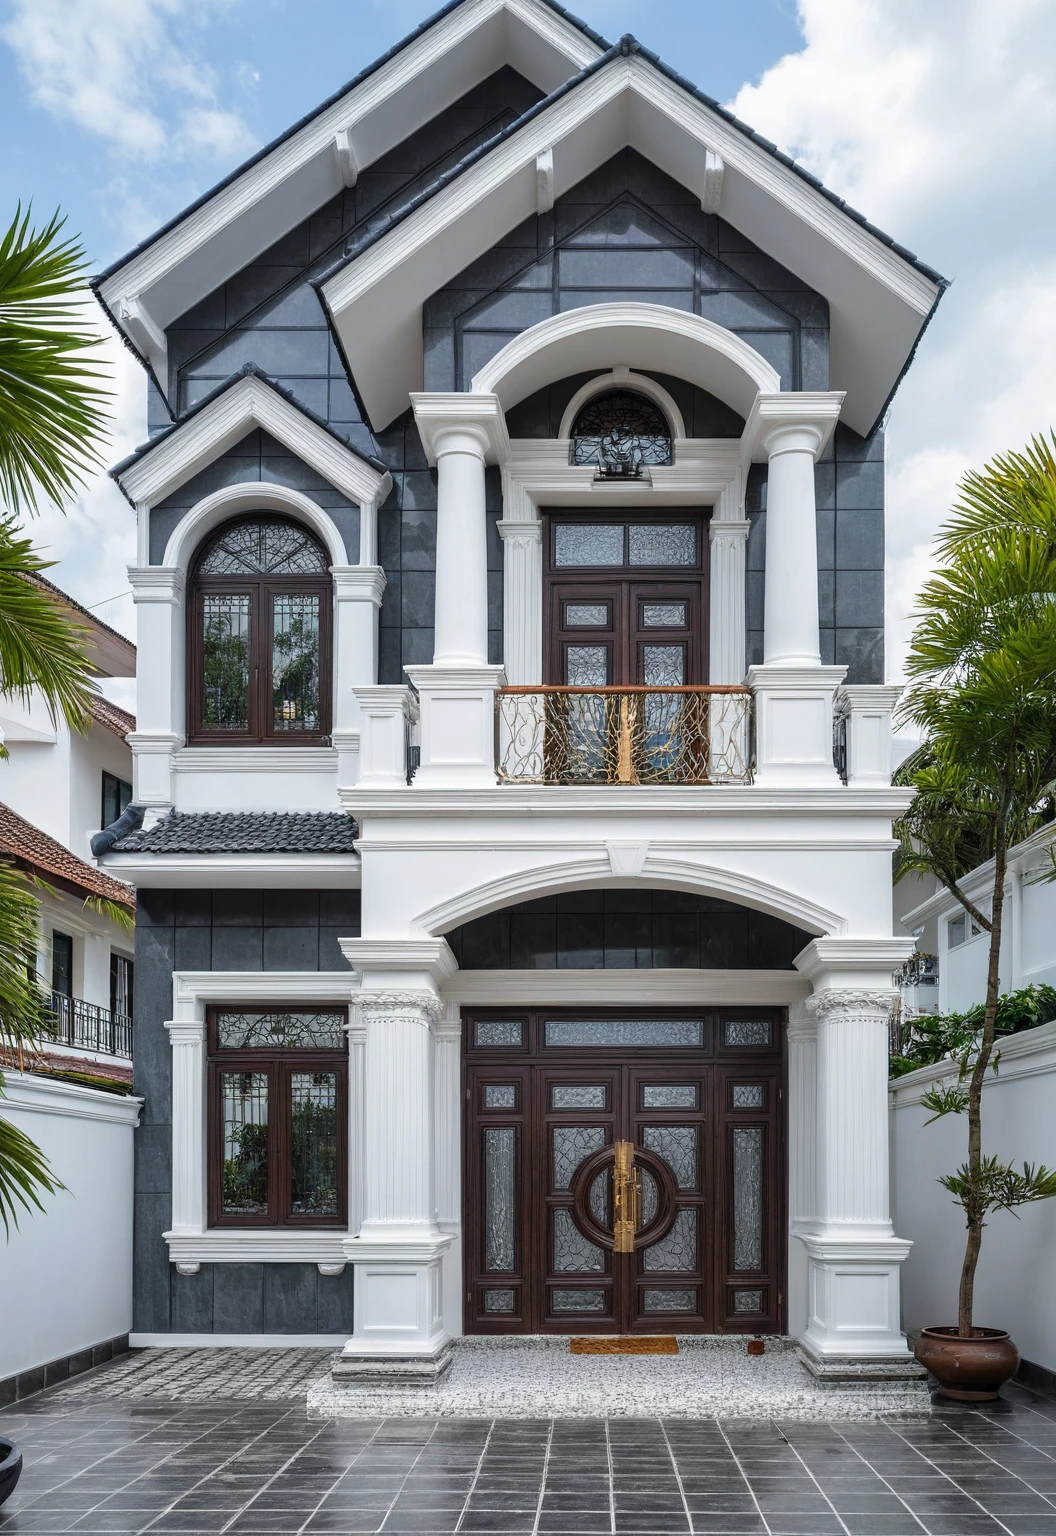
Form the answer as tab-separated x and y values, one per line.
634	1188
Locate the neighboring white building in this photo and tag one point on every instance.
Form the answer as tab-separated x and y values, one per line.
943	930
510	552
57	789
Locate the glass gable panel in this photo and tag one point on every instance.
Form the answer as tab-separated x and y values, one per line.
625	1032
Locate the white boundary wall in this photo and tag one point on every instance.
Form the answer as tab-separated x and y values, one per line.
66	1274
1014	1282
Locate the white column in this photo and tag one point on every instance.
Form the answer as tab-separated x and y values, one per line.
461	621
157	592
357	1052
187	1040
802	1156
522	599
854	1258
790	620
398	1251
729	538
358	590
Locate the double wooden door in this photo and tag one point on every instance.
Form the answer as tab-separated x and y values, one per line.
622	1190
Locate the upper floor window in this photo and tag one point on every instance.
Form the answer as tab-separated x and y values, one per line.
116	795
260	635
621	432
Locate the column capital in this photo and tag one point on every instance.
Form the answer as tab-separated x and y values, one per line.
528	530
853	965
733	530
399	966
156	583
359	583
454	422
833	1002
795	420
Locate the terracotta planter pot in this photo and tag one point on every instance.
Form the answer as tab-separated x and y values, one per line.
968	1370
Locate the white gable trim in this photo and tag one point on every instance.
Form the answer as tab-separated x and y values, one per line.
250	403
310	166
250	495
878	300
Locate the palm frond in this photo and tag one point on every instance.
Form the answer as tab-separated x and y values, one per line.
40	647
24	1175
53	406
121	915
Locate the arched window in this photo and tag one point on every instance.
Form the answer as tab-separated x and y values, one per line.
621	431
260	645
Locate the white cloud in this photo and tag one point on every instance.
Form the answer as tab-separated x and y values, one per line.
938	121
125	71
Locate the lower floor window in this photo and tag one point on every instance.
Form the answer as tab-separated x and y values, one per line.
278	1113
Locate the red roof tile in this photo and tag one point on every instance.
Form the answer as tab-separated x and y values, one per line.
33	849
112	717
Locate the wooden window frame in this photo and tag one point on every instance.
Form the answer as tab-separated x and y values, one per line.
259	589
279	1065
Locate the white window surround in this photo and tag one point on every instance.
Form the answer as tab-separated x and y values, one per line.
190	1240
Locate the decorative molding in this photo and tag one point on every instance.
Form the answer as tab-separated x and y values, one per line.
544	181
673	340
808	414
627	858
249	495
408	1006
192	990
39	1095
267	760
622	377
562	800
262	1245
345	154
156	583
711	186
622	989
250	403
839	1002
359	584
401	956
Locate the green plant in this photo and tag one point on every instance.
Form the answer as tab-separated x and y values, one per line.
982	665
934	1037
52	409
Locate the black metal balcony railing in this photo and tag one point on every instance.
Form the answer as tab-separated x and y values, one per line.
90	1027
564	735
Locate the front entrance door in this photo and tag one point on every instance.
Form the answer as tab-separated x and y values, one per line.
623	1175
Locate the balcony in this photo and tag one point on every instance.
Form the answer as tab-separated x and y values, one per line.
91	1028
637	735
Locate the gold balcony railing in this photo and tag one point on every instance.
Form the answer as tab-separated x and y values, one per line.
643	735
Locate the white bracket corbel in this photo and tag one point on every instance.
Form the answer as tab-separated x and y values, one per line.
711	190
345	155
146	335
544	180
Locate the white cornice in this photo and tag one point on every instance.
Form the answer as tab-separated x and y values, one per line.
248	404
236	871
41	1095
241	219
651	800
878	299
192	990
624	989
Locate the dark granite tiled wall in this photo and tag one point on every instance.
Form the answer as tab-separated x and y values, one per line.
221	930
849	483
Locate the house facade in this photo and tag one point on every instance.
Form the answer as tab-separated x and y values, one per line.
514	946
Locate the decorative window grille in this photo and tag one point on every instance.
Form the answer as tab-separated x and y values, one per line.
622	433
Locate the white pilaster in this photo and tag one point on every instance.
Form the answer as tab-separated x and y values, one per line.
869	707
386	715
357	1096
522	598
161	707
187	1040
358	590
802	1156
399	1330
457	710
729	538
854	1258
448	1037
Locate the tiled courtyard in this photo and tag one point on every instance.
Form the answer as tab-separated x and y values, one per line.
101	1458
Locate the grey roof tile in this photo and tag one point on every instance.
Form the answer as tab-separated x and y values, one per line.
208	832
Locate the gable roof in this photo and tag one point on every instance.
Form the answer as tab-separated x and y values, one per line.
880	295
245	401
111	717
114	654
294	175
31	849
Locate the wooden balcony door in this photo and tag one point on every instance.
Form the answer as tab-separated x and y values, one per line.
621	1178
625	599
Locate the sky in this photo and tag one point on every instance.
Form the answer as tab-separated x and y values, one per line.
936	118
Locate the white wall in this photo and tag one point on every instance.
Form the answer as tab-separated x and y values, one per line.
1014	1282
66	1274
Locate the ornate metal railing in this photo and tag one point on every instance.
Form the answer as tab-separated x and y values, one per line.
90	1027
563	735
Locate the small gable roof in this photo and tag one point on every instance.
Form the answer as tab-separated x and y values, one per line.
33	850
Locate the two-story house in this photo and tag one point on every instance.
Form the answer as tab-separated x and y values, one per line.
514	954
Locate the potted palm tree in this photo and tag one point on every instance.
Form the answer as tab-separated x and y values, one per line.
982	670
51	412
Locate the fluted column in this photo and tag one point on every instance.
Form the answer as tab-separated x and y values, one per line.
398	1192
852	1110
522	600
448	1037
357	1098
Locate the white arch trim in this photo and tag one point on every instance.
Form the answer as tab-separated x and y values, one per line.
622	377
644	336
235	501
670	874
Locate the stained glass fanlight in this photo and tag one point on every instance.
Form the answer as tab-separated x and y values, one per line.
621	432
262	545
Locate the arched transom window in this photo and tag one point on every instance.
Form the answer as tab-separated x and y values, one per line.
260	635
621	432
